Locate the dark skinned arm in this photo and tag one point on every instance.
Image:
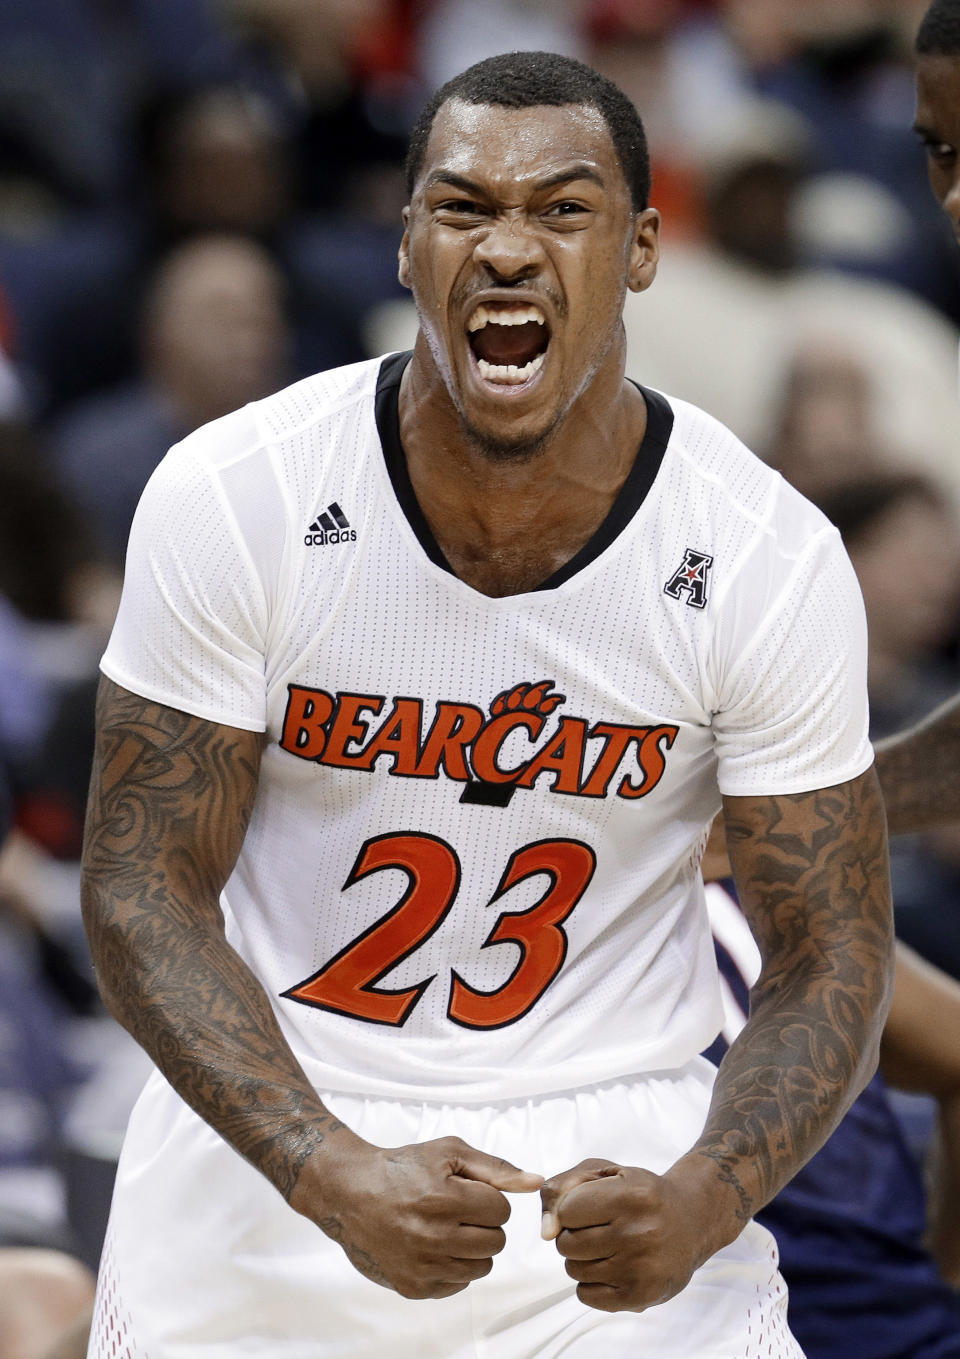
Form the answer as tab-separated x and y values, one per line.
919	772
811	871
920	1051
170	801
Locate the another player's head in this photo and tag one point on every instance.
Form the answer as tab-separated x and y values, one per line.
528	220
938	102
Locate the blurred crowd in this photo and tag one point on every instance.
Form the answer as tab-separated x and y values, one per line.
200	201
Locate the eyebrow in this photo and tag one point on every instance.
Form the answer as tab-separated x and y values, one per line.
568	176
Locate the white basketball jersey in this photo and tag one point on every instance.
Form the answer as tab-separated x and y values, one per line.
472	869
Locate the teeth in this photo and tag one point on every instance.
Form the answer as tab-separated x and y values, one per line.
504	316
509	372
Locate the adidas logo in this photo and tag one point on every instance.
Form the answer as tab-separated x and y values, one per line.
330	526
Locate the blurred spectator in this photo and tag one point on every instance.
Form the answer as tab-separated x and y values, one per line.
348	68
213	159
73	74
43	540
46	1299
70	73
224	159
25	699
37	1076
845	67
57	603
213	338
723	320
903	540
354	97
456	33
827	433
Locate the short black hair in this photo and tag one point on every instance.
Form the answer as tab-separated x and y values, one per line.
939	32
521	80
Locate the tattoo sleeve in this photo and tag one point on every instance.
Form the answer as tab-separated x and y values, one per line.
170	800
919	772
812	874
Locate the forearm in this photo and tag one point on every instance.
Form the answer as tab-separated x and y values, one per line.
782	1088
945	1192
919	772
170	799
193	1004
812	874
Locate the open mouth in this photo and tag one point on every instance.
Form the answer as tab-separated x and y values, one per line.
509	341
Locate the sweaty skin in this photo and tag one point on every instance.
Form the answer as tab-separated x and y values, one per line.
937	124
811	874
513	208
170	801
518	208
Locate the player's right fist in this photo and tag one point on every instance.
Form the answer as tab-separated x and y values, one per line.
424	1220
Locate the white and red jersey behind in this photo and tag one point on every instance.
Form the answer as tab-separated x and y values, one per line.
472	870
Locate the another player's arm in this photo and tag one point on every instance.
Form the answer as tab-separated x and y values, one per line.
919	772
920	1051
170	800
812	875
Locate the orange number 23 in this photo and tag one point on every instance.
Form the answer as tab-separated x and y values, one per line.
347	984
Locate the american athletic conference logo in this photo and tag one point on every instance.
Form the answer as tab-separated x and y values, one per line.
690	579
331	526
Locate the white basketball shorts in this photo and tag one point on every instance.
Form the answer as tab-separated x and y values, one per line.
204	1259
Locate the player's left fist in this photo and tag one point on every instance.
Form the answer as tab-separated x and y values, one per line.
630	1238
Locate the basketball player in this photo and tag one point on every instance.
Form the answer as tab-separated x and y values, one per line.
920	768
938	102
429	676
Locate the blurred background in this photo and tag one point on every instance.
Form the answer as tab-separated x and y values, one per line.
200	201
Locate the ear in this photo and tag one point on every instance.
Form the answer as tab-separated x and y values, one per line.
644	250
403	254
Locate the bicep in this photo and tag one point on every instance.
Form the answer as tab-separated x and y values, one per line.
812	873
170	799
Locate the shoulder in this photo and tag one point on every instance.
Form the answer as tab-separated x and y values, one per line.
724	482
273	452
286	415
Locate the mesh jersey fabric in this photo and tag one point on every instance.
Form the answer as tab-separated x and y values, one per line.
533	773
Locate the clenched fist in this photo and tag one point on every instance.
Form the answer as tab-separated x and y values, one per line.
630	1238
424	1220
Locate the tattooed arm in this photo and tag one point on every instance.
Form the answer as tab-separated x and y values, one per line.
919	772
170	801
811	870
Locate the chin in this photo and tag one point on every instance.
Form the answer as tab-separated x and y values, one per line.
508	445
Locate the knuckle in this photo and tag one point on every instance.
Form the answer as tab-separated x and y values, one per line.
499	1212
451	1144
602	1299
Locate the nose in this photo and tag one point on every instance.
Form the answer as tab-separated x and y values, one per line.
509	250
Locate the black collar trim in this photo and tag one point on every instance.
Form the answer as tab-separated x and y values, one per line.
629	498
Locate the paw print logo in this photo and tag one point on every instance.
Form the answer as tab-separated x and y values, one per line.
535	698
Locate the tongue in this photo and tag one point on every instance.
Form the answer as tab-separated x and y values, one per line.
509	344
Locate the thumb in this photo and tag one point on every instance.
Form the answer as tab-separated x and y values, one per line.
495	1171
554	1190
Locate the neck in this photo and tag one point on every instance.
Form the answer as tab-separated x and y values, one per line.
506	523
